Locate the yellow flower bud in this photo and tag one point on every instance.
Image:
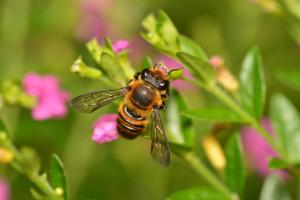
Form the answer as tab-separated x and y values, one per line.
214	152
6	156
227	80
224	76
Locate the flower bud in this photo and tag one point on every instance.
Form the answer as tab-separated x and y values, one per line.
214	152
80	68
6	156
224	76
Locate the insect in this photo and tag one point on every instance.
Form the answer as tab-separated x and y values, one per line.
144	97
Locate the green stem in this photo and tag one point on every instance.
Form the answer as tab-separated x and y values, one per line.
42	184
200	168
234	106
19	165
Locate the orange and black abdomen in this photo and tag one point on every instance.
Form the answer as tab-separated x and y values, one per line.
134	111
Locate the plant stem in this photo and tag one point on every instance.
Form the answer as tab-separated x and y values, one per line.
234	106
18	165
42	184
200	168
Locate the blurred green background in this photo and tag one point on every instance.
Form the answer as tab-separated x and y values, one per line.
47	36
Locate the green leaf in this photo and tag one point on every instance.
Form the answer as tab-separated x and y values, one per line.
167	30
197	66
253	88
147	63
179	127
161	33
276	163
198	193
176	74
213	114
95	50
273	189
112	67
80	68
58	177
180	149
235	169
190	47
108	44
286	121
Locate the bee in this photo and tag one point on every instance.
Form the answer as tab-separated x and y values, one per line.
144	96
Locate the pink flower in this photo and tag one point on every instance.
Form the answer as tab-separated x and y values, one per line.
173	64
120	45
4	190
105	129
51	100
258	151
93	22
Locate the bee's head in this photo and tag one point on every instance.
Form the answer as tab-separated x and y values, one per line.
158	76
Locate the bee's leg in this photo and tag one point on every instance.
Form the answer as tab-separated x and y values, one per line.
163	106
166	95
136	75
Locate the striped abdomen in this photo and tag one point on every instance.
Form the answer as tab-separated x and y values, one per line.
129	123
133	113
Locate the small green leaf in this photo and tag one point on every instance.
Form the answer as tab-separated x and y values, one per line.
286	121
180	149
80	68
179	127
253	88
108	44
147	63
276	163
213	114
167	30
161	33
176	74
198	193
273	189
58	177
190	47
95	50
197	66
235	169
112	67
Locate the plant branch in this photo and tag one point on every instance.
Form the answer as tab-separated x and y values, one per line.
200	168
234	106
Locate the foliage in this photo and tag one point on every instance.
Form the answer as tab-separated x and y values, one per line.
209	109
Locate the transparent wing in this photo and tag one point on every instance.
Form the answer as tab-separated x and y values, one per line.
160	149
91	101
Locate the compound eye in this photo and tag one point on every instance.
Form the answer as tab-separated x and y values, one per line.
145	73
163	85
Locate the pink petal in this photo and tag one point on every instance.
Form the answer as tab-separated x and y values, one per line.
120	45
258	151
105	129
173	64
51	100
4	190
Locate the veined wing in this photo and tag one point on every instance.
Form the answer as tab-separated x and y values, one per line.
91	101
160	149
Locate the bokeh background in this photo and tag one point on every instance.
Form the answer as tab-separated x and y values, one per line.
47	36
